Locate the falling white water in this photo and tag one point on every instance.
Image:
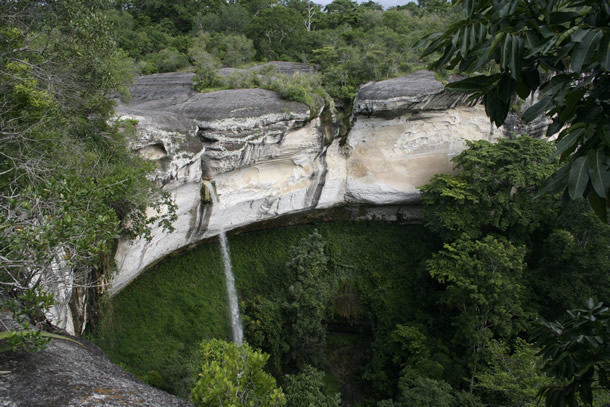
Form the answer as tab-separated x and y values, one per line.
238	330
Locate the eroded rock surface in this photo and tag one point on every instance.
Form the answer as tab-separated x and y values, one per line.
66	374
411	93
267	158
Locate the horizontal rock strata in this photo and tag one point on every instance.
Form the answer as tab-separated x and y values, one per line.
266	158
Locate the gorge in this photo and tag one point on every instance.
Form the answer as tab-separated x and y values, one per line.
267	158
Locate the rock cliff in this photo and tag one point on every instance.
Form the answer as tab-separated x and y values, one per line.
267	158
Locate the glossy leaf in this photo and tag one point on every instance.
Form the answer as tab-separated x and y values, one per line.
585	48
598	171
556	183
604	131
531	77
579	177
568	141
515	57
604	52
537	109
479	83
598	205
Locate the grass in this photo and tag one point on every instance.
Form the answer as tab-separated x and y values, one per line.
155	325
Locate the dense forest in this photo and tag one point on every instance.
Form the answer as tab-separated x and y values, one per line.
454	312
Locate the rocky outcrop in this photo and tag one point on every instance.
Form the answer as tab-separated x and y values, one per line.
412	93
68	374
267	158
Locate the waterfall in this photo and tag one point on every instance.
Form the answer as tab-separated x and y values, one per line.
238	330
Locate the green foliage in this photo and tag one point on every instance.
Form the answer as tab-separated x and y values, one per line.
277	33
233	375
306	302
72	186
166	60
305	88
556	50
575	353
30	340
571	262
158	321
264	323
485	214
291	326
307	390
416	390
513	376
233	49
29	306
419	390
484	290
493	190
168	310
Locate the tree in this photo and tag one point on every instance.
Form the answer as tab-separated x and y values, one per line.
342	12
513	376
306	389
232	49
484	291
493	191
571	263
233	376
557	52
278	32
70	185
306	302
308	9
434	6
575	353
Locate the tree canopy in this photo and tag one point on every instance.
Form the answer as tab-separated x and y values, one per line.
70	184
233	376
556	55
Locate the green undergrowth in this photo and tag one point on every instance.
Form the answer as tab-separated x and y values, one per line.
154	326
300	87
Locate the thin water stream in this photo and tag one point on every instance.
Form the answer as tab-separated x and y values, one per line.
236	326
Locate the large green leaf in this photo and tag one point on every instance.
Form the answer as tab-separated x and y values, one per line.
505	51
585	48
599	206
537	109
556	183
504	8
579	177
479	83
497	100
498	39
515	57
604	52
568	140
560	17
531	77
604	132
571	102
598	171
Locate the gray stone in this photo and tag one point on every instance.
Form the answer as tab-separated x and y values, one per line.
411	93
66	374
241	108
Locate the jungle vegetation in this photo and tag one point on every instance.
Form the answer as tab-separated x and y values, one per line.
466	310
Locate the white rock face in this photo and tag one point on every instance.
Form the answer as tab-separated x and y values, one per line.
269	161
391	158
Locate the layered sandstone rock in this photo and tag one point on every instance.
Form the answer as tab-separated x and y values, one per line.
267	158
